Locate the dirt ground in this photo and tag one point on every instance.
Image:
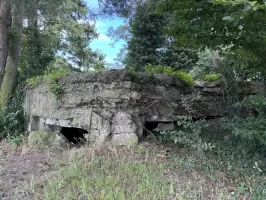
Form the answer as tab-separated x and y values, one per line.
18	165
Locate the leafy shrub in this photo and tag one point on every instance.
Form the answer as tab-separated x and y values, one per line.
184	77
253	126
212	77
204	65
56	89
11	121
187	133
34	81
51	77
256	102
133	71
15	140
250	128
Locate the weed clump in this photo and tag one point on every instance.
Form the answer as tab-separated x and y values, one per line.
212	77
43	139
184	77
51	77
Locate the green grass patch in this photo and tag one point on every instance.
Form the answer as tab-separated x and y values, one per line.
232	169
153	172
104	178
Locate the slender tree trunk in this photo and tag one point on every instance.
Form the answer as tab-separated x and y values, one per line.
5	20
14	47
216	59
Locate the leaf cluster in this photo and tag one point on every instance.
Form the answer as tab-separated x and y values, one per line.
215	23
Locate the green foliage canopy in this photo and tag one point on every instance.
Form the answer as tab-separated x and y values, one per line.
55	28
147	38
238	24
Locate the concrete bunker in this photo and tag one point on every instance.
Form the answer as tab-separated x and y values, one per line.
117	107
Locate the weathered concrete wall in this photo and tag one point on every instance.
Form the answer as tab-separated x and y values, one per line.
115	105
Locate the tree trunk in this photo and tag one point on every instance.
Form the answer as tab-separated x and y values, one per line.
216	59
5	20
10	77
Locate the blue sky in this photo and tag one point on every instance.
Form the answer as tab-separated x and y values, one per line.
103	41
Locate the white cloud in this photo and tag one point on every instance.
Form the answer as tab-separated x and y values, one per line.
103	37
100	24
109	59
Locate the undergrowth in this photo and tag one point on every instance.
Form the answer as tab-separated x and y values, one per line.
228	171
51	77
12	119
187	133
103	177
251	127
244	163
240	159
45	139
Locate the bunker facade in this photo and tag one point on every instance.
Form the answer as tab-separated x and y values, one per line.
119	107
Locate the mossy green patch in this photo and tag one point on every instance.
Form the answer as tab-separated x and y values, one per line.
212	77
184	77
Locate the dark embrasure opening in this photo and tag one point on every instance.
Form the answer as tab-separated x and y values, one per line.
155	126
74	135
